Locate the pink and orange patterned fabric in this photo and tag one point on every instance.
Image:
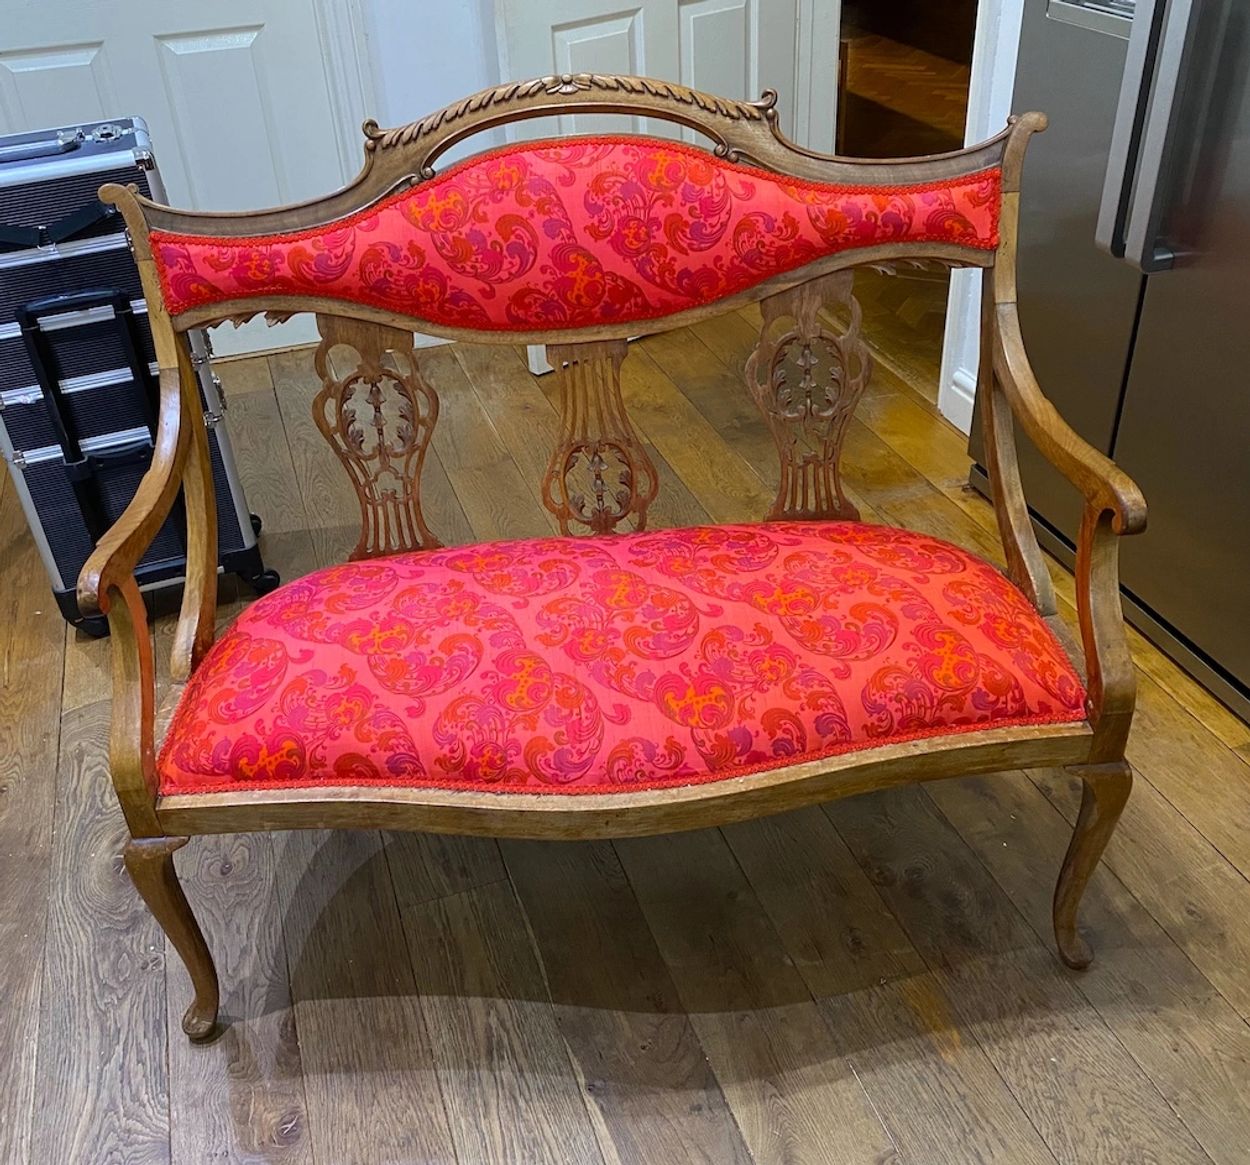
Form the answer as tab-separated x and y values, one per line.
575	233
609	664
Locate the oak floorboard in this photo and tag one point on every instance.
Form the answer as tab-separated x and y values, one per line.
497	500
437	865
102	1078
510	1090
32	651
728	487
370	1080
1200	900
887	1014
794	1096
1082	1090
641	1066
241	1098
1200	1057
266	459
87	677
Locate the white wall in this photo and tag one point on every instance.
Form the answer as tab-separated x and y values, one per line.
989	103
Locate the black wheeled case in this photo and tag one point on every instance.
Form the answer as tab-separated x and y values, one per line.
78	390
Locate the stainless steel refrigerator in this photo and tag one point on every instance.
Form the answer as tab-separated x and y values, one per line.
1135	298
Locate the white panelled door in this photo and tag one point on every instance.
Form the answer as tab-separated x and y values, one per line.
238	95
733	48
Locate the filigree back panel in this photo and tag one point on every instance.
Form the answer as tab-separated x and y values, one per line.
599	477
807	381
378	415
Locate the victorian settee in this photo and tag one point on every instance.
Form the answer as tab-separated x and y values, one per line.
626	681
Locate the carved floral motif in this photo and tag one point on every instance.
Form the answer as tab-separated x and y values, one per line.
378	417
599	476
807	381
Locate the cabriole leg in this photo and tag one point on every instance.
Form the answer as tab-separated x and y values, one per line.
1105	791
150	864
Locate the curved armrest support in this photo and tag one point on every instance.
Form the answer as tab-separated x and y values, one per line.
1113	506
1103	483
114	558
107	585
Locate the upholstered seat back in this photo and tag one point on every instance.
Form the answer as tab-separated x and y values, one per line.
573	234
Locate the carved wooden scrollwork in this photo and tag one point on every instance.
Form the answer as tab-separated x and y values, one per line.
599	477
807	381
378	415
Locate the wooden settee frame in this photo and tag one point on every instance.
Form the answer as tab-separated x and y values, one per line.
588	363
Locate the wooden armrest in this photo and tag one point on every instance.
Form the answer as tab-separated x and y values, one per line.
1113	506
113	561
1103	483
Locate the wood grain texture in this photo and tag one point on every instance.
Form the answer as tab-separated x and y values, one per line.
599	476
807	380
635	1052
887	1014
1200	1057
489	486
481	987
32	646
243	1095
633	814
795	1098
1087	1097
1181	878
102	1067
370	1089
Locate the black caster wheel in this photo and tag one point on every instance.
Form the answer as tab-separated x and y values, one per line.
97	626
257	524
263	583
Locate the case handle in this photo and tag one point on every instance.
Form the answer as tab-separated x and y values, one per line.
63	143
1130	217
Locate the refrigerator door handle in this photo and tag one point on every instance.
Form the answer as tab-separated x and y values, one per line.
1130	216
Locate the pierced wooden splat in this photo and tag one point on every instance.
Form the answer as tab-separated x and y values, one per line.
378	416
807	381
599	477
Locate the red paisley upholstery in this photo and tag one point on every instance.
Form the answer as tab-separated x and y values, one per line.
569	234
588	665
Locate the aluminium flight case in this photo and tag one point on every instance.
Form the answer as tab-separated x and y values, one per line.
78	390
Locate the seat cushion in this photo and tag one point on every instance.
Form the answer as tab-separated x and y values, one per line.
589	665
576	233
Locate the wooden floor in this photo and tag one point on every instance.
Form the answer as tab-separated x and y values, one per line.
871	982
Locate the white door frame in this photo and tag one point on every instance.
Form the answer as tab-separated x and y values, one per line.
818	32
994	51
341	30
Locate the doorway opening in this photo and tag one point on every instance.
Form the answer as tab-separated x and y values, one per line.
904	71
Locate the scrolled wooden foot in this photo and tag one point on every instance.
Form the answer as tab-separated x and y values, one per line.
150	864
1105	790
